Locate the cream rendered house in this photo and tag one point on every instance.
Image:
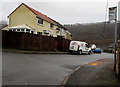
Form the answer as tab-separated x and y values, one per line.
26	19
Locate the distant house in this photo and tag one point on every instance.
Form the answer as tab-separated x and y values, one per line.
26	19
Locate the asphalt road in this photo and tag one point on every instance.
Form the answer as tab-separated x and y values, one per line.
38	69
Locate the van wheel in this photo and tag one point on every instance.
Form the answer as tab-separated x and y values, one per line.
89	53
70	52
80	52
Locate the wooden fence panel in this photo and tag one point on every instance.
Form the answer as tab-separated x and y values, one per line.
19	40
59	43
65	45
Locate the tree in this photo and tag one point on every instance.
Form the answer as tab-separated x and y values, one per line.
101	33
3	24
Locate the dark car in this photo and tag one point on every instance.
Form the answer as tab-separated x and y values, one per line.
97	50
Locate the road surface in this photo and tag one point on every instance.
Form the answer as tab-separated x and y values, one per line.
38	69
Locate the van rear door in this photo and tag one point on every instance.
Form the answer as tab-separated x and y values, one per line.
73	45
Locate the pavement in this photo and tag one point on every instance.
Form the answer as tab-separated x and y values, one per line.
32	51
100	72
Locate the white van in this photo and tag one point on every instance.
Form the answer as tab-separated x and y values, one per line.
79	47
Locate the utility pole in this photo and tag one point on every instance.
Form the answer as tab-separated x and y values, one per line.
113	17
115	45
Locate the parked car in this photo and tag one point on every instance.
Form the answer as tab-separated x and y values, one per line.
79	47
97	50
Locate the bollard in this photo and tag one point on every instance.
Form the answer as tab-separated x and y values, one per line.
118	60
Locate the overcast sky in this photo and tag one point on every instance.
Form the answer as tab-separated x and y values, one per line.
63	11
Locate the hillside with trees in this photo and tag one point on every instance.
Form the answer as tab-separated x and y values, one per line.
101	34
2	24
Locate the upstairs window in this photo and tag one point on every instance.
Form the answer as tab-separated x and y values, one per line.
51	25
40	21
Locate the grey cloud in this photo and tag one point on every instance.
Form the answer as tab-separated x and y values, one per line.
63	12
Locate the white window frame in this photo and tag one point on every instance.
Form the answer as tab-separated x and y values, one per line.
42	21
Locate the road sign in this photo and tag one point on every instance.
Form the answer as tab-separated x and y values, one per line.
119	11
112	13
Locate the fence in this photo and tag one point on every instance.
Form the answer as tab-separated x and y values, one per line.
19	40
118	60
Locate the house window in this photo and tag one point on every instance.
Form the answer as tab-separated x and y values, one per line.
22	30
40	33
57	30
10	29
14	29
46	31
27	30
40	21
18	29
51	25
